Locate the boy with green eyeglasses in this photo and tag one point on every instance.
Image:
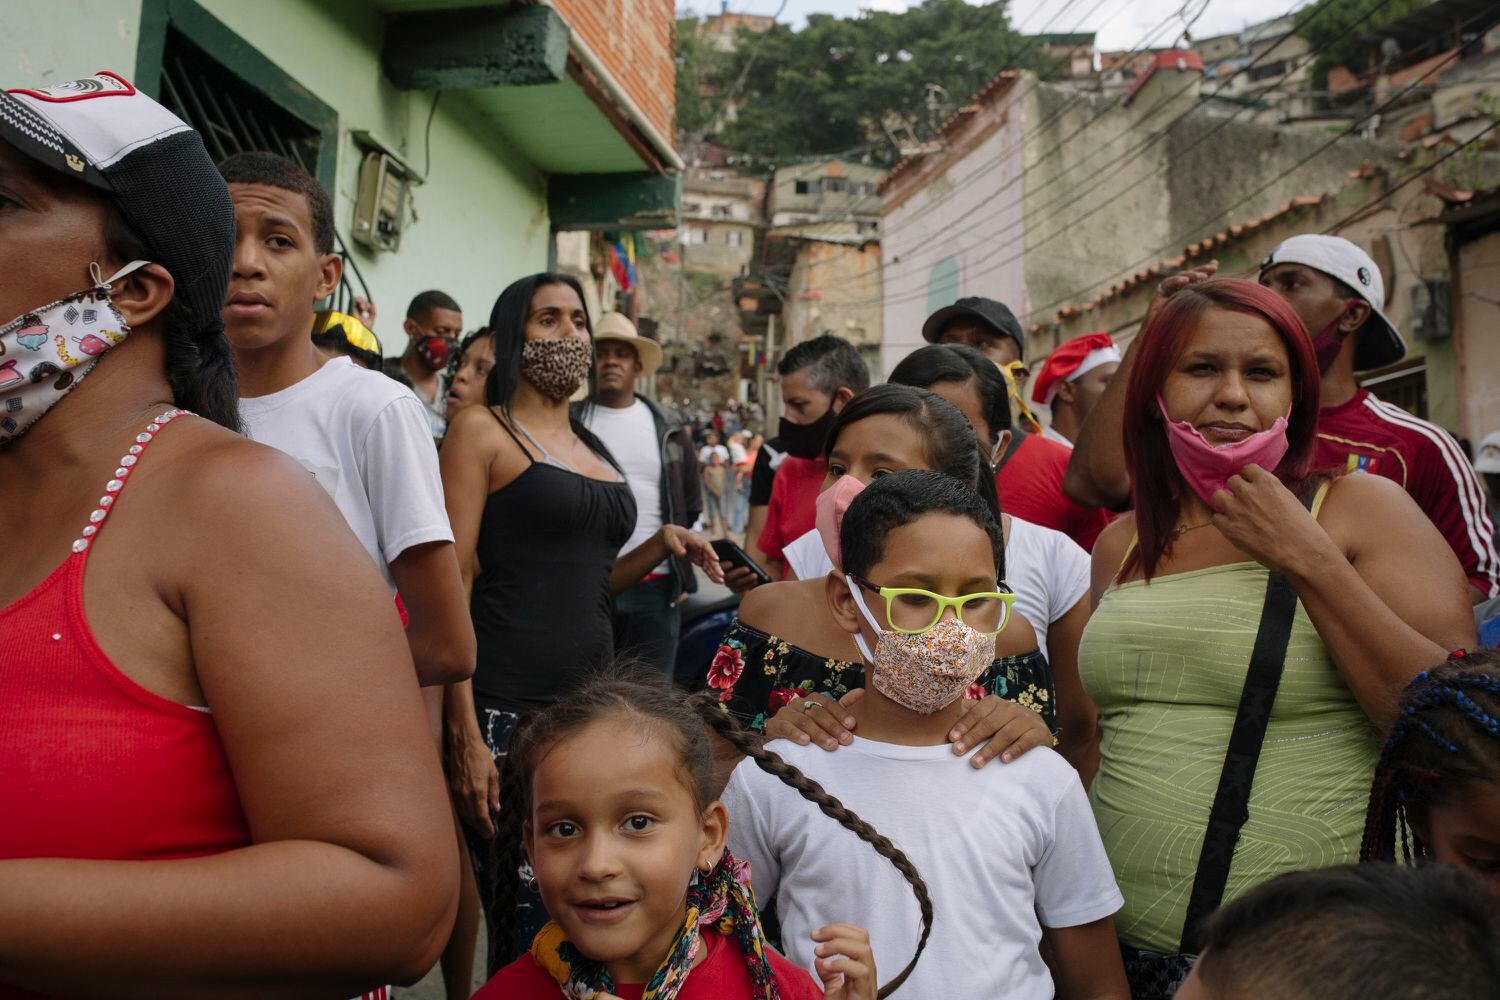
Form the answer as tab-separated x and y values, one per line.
1010	854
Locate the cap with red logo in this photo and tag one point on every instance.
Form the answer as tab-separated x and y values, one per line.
103	132
1072	361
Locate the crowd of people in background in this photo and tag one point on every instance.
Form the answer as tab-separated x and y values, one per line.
322	666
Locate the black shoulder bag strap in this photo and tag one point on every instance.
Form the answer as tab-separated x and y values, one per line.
1231	806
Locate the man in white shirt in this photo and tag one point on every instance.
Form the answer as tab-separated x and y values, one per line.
364	437
1073	380
656	453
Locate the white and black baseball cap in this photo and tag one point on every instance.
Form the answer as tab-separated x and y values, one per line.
103	132
1380	343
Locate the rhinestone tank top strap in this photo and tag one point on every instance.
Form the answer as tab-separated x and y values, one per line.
122	475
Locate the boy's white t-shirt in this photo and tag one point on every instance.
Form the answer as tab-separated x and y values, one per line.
1048	571
1004	850
366	439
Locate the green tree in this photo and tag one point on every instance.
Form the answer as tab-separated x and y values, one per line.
833	86
1337	27
699	67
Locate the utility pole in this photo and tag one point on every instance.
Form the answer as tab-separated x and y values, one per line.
769	387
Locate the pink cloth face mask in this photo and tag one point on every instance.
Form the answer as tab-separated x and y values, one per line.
831	505
1329	342
1207	468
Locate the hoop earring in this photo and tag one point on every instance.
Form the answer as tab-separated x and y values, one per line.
531	883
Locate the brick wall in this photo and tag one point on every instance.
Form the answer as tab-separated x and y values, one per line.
635	41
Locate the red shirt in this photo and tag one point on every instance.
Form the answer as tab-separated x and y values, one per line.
1030	486
1368	435
722	975
794	504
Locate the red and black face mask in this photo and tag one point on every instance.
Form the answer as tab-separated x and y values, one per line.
435	351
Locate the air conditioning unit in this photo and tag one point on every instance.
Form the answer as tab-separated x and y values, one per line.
1431	304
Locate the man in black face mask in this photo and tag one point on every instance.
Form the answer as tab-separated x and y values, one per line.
818	377
434	323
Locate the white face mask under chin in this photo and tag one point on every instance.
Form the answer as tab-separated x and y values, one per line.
46	352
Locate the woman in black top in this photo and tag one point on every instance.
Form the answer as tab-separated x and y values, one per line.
545	508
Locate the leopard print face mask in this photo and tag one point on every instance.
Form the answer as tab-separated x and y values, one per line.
556	367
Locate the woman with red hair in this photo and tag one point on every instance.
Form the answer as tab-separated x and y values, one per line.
1255	621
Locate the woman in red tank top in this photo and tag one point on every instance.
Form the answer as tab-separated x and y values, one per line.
215	773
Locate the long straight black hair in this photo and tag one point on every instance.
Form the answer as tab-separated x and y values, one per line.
508	320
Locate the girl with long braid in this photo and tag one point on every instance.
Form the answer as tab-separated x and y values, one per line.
1437	785
1011	853
609	802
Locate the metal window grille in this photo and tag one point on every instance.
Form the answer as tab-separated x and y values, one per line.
232	116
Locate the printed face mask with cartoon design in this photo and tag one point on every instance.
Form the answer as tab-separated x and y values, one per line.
557	367
46	352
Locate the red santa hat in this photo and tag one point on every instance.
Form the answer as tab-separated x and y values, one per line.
1072	361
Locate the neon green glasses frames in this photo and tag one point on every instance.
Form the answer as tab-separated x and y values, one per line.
912	611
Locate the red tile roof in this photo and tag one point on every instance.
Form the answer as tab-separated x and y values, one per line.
1178	59
1191	252
997	87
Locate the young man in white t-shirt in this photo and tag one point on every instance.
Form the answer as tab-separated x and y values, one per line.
1010	853
656	453
364	437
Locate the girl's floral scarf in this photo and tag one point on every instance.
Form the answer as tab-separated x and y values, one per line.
723	900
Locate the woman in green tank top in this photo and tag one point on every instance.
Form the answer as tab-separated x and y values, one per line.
1220	409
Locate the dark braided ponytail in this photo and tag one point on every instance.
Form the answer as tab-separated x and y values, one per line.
199	363
1446	738
748	743
643	695
507	850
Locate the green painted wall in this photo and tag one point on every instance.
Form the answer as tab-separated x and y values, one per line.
482	215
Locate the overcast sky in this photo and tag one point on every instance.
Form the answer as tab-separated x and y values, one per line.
1121	24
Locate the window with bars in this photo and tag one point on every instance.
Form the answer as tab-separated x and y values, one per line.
243	103
232	116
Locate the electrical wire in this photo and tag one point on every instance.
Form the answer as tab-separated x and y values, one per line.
1034	83
978	175
1115	165
1177	241
1207	222
427	136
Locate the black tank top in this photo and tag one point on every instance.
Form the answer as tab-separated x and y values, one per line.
542	607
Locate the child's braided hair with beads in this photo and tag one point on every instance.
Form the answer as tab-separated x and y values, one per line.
1446	738
646	696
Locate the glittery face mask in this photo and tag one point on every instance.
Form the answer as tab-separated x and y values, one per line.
46	352
928	671
557	367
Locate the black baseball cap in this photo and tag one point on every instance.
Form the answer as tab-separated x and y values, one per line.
103	132
996	315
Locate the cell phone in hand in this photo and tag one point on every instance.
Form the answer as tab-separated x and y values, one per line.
729	552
